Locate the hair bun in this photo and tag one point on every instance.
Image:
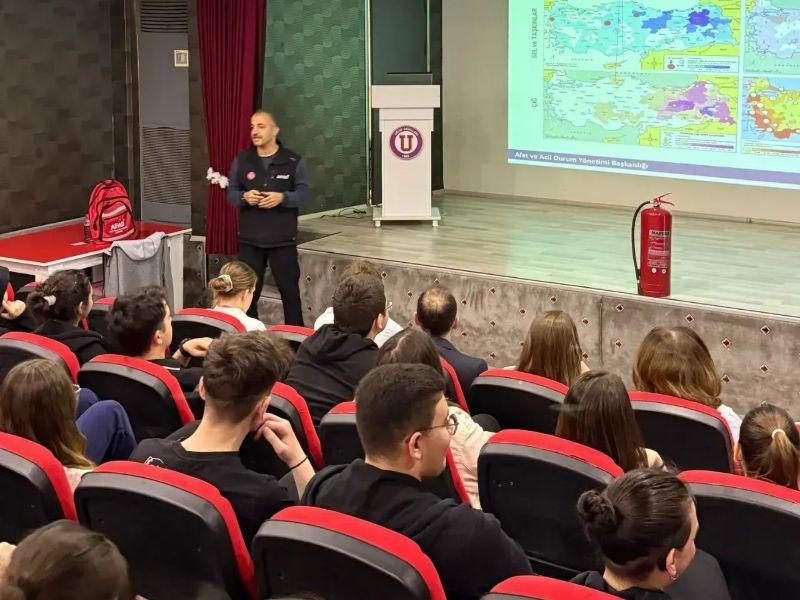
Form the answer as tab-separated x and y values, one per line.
597	513
222	283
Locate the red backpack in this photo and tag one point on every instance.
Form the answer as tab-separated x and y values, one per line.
110	214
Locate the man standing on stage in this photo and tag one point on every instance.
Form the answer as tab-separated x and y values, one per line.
269	184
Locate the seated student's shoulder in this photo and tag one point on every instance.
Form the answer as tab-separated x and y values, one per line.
154	451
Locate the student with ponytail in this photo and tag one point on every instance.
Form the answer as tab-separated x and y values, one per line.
644	524
769	446
61	303
233	291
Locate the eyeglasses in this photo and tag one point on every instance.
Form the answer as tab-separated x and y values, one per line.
451	425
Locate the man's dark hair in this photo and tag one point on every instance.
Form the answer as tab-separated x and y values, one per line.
436	310
239	370
357	302
394	401
135	317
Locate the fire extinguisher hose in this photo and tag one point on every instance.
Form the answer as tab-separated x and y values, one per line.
636	270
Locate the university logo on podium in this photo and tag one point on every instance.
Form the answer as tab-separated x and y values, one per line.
406	142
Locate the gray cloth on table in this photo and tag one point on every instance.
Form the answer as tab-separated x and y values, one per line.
136	263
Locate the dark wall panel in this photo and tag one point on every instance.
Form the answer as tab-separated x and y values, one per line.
56	107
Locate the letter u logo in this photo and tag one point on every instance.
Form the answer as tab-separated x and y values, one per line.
405	142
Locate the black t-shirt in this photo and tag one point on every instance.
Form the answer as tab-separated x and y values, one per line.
253	496
468	547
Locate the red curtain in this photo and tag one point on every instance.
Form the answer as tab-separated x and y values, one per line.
231	37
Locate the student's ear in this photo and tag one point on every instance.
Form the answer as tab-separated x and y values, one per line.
737	454
671	564
456	324
416	319
413	447
158	338
201	389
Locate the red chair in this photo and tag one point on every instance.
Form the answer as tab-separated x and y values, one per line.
35	490
543	588
17	347
98	316
149	393
178	534
306	549
454	391
293	334
751	527
685	433
10	293
341	445
202	322
23	292
287	403
531	482
517	400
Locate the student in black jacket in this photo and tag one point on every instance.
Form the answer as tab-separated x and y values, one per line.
645	524
140	324
404	426
61	303
329	364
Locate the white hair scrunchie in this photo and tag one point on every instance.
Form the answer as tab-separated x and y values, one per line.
776	432
226	279
51	300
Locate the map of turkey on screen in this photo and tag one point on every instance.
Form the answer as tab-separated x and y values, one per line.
702	89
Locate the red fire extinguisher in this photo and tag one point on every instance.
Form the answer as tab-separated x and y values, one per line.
653	278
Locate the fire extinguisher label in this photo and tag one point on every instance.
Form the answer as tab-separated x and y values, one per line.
658	249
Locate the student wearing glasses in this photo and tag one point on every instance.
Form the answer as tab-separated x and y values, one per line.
405	427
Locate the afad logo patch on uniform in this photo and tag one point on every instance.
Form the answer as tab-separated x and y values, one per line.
251	175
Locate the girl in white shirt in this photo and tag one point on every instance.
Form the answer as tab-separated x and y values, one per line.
233	292
676	362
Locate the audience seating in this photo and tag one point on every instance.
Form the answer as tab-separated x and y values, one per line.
531	482
98	316
293	334
517	400
454	391
17	347
341	445
179	535
313	550
150	394
10	293
543	588
34	490
685	433
752	528
202	322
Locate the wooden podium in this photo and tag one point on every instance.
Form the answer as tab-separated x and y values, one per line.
406	125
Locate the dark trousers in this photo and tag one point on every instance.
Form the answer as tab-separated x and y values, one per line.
105	425
285	269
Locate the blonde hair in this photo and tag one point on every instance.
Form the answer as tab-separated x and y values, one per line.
234	278
552	348
770	446
676	362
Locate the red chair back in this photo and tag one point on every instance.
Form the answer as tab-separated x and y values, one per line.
192	539
531	482
293	334
17	347
35	490
750	527
150	394
301	548
454	391
517	400
543	588
685	433
202	322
